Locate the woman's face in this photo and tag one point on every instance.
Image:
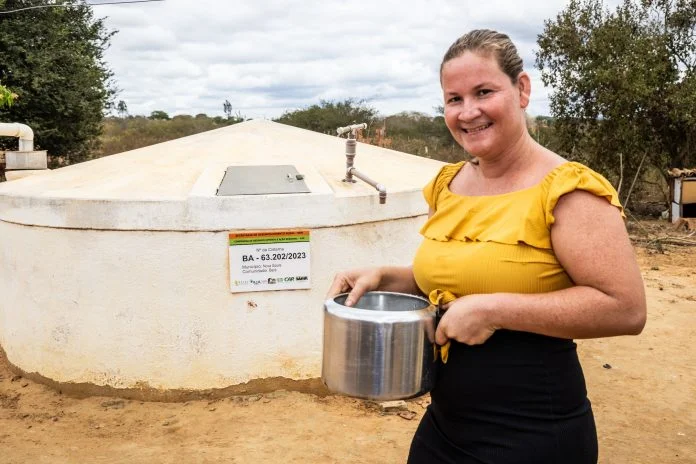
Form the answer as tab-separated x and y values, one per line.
484	110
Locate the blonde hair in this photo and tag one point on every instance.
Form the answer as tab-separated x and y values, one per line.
488	42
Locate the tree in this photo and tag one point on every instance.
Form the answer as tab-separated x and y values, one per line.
231	118
624	83
410	124
53	58
327	116
122	109
6	97
159	114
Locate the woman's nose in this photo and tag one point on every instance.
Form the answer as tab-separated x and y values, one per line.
468	111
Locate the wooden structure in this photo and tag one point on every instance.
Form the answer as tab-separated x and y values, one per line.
682	193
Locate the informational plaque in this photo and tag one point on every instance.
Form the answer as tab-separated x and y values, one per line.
263	260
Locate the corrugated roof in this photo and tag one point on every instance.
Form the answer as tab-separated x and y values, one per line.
676	172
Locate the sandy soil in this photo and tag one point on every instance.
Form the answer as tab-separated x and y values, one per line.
643	390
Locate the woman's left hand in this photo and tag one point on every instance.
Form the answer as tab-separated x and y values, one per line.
468	320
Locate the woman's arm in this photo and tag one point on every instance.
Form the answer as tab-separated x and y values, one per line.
386	278
590	241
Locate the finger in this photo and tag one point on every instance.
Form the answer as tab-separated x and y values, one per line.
358	291
339	285
440	334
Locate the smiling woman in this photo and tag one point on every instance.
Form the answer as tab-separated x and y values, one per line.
478	96
532	252
478	99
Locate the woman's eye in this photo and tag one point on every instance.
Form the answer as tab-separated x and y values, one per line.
453	99
483	92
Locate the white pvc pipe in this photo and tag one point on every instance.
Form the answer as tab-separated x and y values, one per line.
24	132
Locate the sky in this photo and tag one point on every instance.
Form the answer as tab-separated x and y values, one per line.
268	57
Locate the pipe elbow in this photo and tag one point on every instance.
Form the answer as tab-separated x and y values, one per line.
25	132
16	129
382	193
22	131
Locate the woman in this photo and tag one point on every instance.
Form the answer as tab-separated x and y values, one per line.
531	252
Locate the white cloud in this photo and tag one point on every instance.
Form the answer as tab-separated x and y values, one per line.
265	57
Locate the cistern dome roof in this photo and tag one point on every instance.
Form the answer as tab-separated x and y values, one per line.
173	185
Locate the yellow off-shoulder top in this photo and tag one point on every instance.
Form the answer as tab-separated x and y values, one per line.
498	243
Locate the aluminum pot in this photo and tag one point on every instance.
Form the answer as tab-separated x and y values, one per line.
381	348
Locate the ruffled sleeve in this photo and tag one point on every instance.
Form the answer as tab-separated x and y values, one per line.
432	190
573	176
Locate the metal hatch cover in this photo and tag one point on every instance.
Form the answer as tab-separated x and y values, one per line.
260	180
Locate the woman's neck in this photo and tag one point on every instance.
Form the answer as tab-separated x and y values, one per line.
513	160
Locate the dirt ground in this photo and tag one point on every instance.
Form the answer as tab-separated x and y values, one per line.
643	391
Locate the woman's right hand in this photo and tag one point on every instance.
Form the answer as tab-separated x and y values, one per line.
357	282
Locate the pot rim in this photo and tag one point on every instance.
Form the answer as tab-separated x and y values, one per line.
349	312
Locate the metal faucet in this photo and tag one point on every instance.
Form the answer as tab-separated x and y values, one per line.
351	171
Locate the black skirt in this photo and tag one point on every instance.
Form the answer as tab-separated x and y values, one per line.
519	398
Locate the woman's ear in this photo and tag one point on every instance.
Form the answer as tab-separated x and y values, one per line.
524	85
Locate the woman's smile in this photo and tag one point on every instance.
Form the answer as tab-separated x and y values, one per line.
477	129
